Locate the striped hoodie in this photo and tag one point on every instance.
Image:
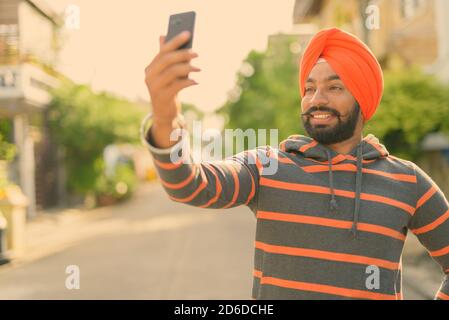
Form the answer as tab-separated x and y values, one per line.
329	226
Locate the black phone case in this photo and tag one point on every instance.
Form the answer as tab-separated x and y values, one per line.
180	22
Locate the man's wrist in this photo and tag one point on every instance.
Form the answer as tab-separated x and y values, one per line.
147	133
165	122
159	134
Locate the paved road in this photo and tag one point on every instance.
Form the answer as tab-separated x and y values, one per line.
152	248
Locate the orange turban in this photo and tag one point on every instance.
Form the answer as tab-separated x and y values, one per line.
352	60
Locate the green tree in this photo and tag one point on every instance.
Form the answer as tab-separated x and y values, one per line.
268	97
83	124
7	149
413	105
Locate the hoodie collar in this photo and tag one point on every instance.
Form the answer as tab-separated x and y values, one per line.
368	149
310	148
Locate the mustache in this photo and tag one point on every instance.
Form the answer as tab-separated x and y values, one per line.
313	109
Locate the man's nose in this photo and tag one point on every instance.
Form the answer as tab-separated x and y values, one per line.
319	98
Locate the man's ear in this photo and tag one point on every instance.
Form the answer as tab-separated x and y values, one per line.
362	117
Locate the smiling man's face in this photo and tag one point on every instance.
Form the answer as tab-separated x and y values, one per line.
330	112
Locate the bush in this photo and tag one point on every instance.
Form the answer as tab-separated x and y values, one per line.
7	153
413	105
119	186
83	124
7	149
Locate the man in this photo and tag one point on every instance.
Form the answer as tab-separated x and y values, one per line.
339	206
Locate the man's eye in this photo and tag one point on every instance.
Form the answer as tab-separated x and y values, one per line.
308	89
336	88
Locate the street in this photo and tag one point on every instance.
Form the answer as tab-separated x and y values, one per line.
153	248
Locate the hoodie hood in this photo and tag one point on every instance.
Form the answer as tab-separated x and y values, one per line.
368	149
309	148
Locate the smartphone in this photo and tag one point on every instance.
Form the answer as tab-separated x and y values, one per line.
180	22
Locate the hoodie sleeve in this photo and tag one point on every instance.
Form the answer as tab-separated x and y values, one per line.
430	223
217	184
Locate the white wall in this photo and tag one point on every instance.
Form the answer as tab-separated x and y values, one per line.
36	34
442	21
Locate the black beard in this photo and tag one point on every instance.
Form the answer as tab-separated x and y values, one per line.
342	131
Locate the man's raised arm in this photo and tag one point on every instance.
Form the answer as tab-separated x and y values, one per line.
218	184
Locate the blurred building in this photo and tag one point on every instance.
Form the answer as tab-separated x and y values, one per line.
28	50
441	67
413	31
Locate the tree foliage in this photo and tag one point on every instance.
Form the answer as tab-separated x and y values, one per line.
413	105
7	149
83	124
269	97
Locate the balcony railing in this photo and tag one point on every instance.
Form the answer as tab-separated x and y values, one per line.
9	44
26	83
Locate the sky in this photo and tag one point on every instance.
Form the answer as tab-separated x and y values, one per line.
116	40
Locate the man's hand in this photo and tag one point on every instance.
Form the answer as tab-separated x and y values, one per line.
165	76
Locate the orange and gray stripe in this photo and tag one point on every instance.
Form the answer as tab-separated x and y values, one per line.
303	251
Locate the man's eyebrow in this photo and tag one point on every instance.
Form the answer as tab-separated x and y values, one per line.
333	77
311	80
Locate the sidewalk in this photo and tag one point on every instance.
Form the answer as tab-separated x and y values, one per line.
54	230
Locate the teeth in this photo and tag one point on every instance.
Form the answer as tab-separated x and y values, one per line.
321	116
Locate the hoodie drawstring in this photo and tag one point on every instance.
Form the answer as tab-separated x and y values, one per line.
358	190
368	149
333	206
